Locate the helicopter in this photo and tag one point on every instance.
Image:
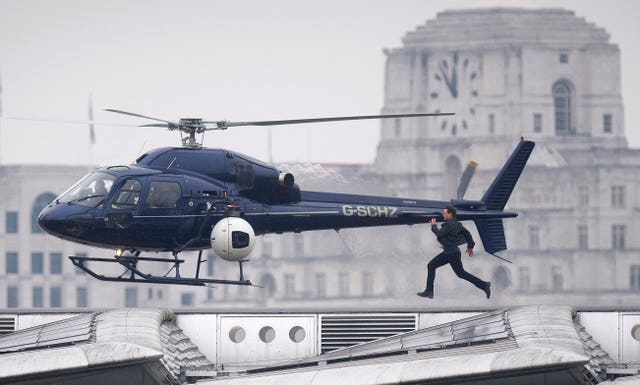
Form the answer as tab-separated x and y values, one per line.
192	198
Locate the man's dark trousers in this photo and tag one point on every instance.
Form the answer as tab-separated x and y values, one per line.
454	259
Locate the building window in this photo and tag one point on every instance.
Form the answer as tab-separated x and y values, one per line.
583	237
55	263
501	278
492	123
243	292
344	284
55	296
210	294
562	103
617	196
564	58
289	285
37	296
298	245
12	297
321	285
618	236
131	297
453	173
186	299
525	279
607	123
38	205
81	297
37	263
267	249
210	262
635	277
537	122
79	271
556	278
269	285
12	262
367	284
534	237
397	127
583	196
11	222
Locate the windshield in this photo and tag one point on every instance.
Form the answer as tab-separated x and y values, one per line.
89	191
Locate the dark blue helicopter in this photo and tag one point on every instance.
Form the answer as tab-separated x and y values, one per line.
192	198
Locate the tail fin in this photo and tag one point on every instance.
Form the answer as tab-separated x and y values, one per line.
492	230
500	190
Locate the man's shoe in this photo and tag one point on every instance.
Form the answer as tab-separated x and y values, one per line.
487	289
425	294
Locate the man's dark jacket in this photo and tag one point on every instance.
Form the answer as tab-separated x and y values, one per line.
451	234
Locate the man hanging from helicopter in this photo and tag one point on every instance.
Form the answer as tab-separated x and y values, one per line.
452	234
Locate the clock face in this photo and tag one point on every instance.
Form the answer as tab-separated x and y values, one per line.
453	88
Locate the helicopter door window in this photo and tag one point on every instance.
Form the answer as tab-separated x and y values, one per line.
164	195
128	195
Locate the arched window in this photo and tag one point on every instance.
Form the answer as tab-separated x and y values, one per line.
501	278
269	284
453	172
562	94
40	203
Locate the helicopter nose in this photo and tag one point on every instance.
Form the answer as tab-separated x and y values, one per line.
64	220
49	219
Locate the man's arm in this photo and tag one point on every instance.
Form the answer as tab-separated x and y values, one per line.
444	230
469	239
467	236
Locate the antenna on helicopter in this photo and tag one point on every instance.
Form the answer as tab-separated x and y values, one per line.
193	126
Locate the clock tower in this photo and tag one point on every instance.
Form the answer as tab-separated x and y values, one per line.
544	74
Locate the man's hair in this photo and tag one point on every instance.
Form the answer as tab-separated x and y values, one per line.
451	210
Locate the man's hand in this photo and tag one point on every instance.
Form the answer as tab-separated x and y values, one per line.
470	252
433	221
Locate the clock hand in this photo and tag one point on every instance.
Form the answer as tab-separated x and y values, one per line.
454	82
446	79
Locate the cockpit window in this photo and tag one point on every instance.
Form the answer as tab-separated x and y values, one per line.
128	195
90	191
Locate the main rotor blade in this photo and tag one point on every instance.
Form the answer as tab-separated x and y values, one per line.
66	121
319	120
139	116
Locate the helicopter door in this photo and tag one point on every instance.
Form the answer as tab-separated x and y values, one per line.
123	206
162	210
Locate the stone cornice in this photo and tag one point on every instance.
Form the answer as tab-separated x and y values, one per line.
503	27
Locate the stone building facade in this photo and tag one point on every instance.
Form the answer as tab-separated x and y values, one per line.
543	74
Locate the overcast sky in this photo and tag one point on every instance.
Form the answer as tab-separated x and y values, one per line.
235	60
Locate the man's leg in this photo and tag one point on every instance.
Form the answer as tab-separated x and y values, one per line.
436	262
456	265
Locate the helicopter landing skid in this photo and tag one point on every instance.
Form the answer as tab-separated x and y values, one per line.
137	276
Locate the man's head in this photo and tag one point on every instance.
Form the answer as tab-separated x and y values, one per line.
449	212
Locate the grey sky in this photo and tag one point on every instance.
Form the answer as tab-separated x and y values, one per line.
235	60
